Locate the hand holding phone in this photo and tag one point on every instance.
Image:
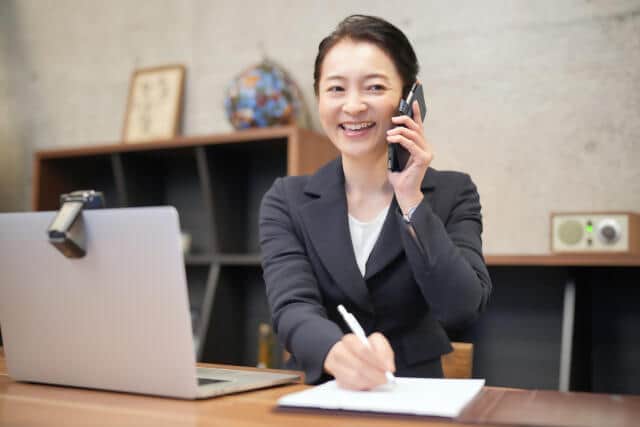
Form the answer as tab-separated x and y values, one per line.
398	156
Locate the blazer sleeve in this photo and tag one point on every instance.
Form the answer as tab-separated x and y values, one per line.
299	317
446	258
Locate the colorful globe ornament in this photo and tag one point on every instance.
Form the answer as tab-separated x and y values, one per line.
264	95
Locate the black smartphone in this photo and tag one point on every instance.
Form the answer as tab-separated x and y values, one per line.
398	155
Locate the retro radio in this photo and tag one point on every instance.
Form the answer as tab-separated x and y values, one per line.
614	232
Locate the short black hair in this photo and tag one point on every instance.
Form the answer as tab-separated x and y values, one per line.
383	34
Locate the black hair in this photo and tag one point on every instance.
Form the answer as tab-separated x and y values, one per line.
383	34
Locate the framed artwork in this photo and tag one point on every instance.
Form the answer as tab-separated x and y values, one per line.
154	104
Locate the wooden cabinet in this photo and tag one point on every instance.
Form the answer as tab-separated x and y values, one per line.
216	182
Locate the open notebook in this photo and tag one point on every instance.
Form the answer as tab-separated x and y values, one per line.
417	396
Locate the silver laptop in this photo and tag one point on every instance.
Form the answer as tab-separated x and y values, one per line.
117	319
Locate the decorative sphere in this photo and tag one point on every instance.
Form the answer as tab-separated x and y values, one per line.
264	95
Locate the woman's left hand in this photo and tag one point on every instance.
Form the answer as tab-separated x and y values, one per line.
410	134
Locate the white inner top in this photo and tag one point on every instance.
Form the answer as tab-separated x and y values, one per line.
364	236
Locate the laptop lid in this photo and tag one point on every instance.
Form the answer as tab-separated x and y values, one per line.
117	319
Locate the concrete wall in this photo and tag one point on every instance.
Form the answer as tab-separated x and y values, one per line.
538	100
12	146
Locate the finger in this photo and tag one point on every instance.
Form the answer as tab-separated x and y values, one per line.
405	142
364	378
351	372
409	134
407	121
416	111
344	380
354	379
383	350
347	376
417	153
365	357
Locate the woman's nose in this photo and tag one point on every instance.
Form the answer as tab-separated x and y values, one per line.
353	105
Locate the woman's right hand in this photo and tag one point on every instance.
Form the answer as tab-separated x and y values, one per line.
358	367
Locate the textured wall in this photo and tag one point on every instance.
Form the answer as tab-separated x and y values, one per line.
539	101
12	149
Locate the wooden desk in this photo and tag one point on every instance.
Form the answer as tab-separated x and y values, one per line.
31	405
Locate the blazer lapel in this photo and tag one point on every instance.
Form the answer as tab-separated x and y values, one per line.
326	220
389	244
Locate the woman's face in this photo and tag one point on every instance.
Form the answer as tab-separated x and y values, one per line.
358	93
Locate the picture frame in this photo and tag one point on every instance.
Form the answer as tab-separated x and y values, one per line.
154	104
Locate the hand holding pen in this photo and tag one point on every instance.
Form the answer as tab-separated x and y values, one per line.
358	362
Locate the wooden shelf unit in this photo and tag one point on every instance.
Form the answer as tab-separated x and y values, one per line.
216	182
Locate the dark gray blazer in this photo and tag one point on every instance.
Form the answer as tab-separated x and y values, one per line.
420	280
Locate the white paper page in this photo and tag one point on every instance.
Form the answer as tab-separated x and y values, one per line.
421	396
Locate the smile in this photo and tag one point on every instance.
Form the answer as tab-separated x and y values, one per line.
357	126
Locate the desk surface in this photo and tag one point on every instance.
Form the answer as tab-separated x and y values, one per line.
34	405
29	404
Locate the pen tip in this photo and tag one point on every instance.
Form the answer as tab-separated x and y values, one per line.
391	379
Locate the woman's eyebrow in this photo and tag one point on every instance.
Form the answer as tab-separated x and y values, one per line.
377	76
366	77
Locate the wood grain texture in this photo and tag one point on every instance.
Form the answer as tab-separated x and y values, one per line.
552	408
275	132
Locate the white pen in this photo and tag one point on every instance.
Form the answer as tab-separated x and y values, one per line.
355	327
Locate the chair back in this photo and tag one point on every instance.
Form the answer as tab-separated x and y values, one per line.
459	362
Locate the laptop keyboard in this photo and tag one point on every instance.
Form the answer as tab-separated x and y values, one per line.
205	381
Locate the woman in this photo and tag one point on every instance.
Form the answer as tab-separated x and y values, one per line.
400	250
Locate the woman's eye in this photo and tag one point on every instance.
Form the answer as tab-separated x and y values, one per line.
376	88
334	89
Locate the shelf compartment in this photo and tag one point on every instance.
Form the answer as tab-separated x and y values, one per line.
55	176
169	177
197	277
518	337
240	305
240	175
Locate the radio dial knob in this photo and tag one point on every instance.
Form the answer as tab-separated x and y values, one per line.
609	231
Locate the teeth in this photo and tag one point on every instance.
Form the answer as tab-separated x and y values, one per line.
357	126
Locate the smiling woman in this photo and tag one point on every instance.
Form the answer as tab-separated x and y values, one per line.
402	251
